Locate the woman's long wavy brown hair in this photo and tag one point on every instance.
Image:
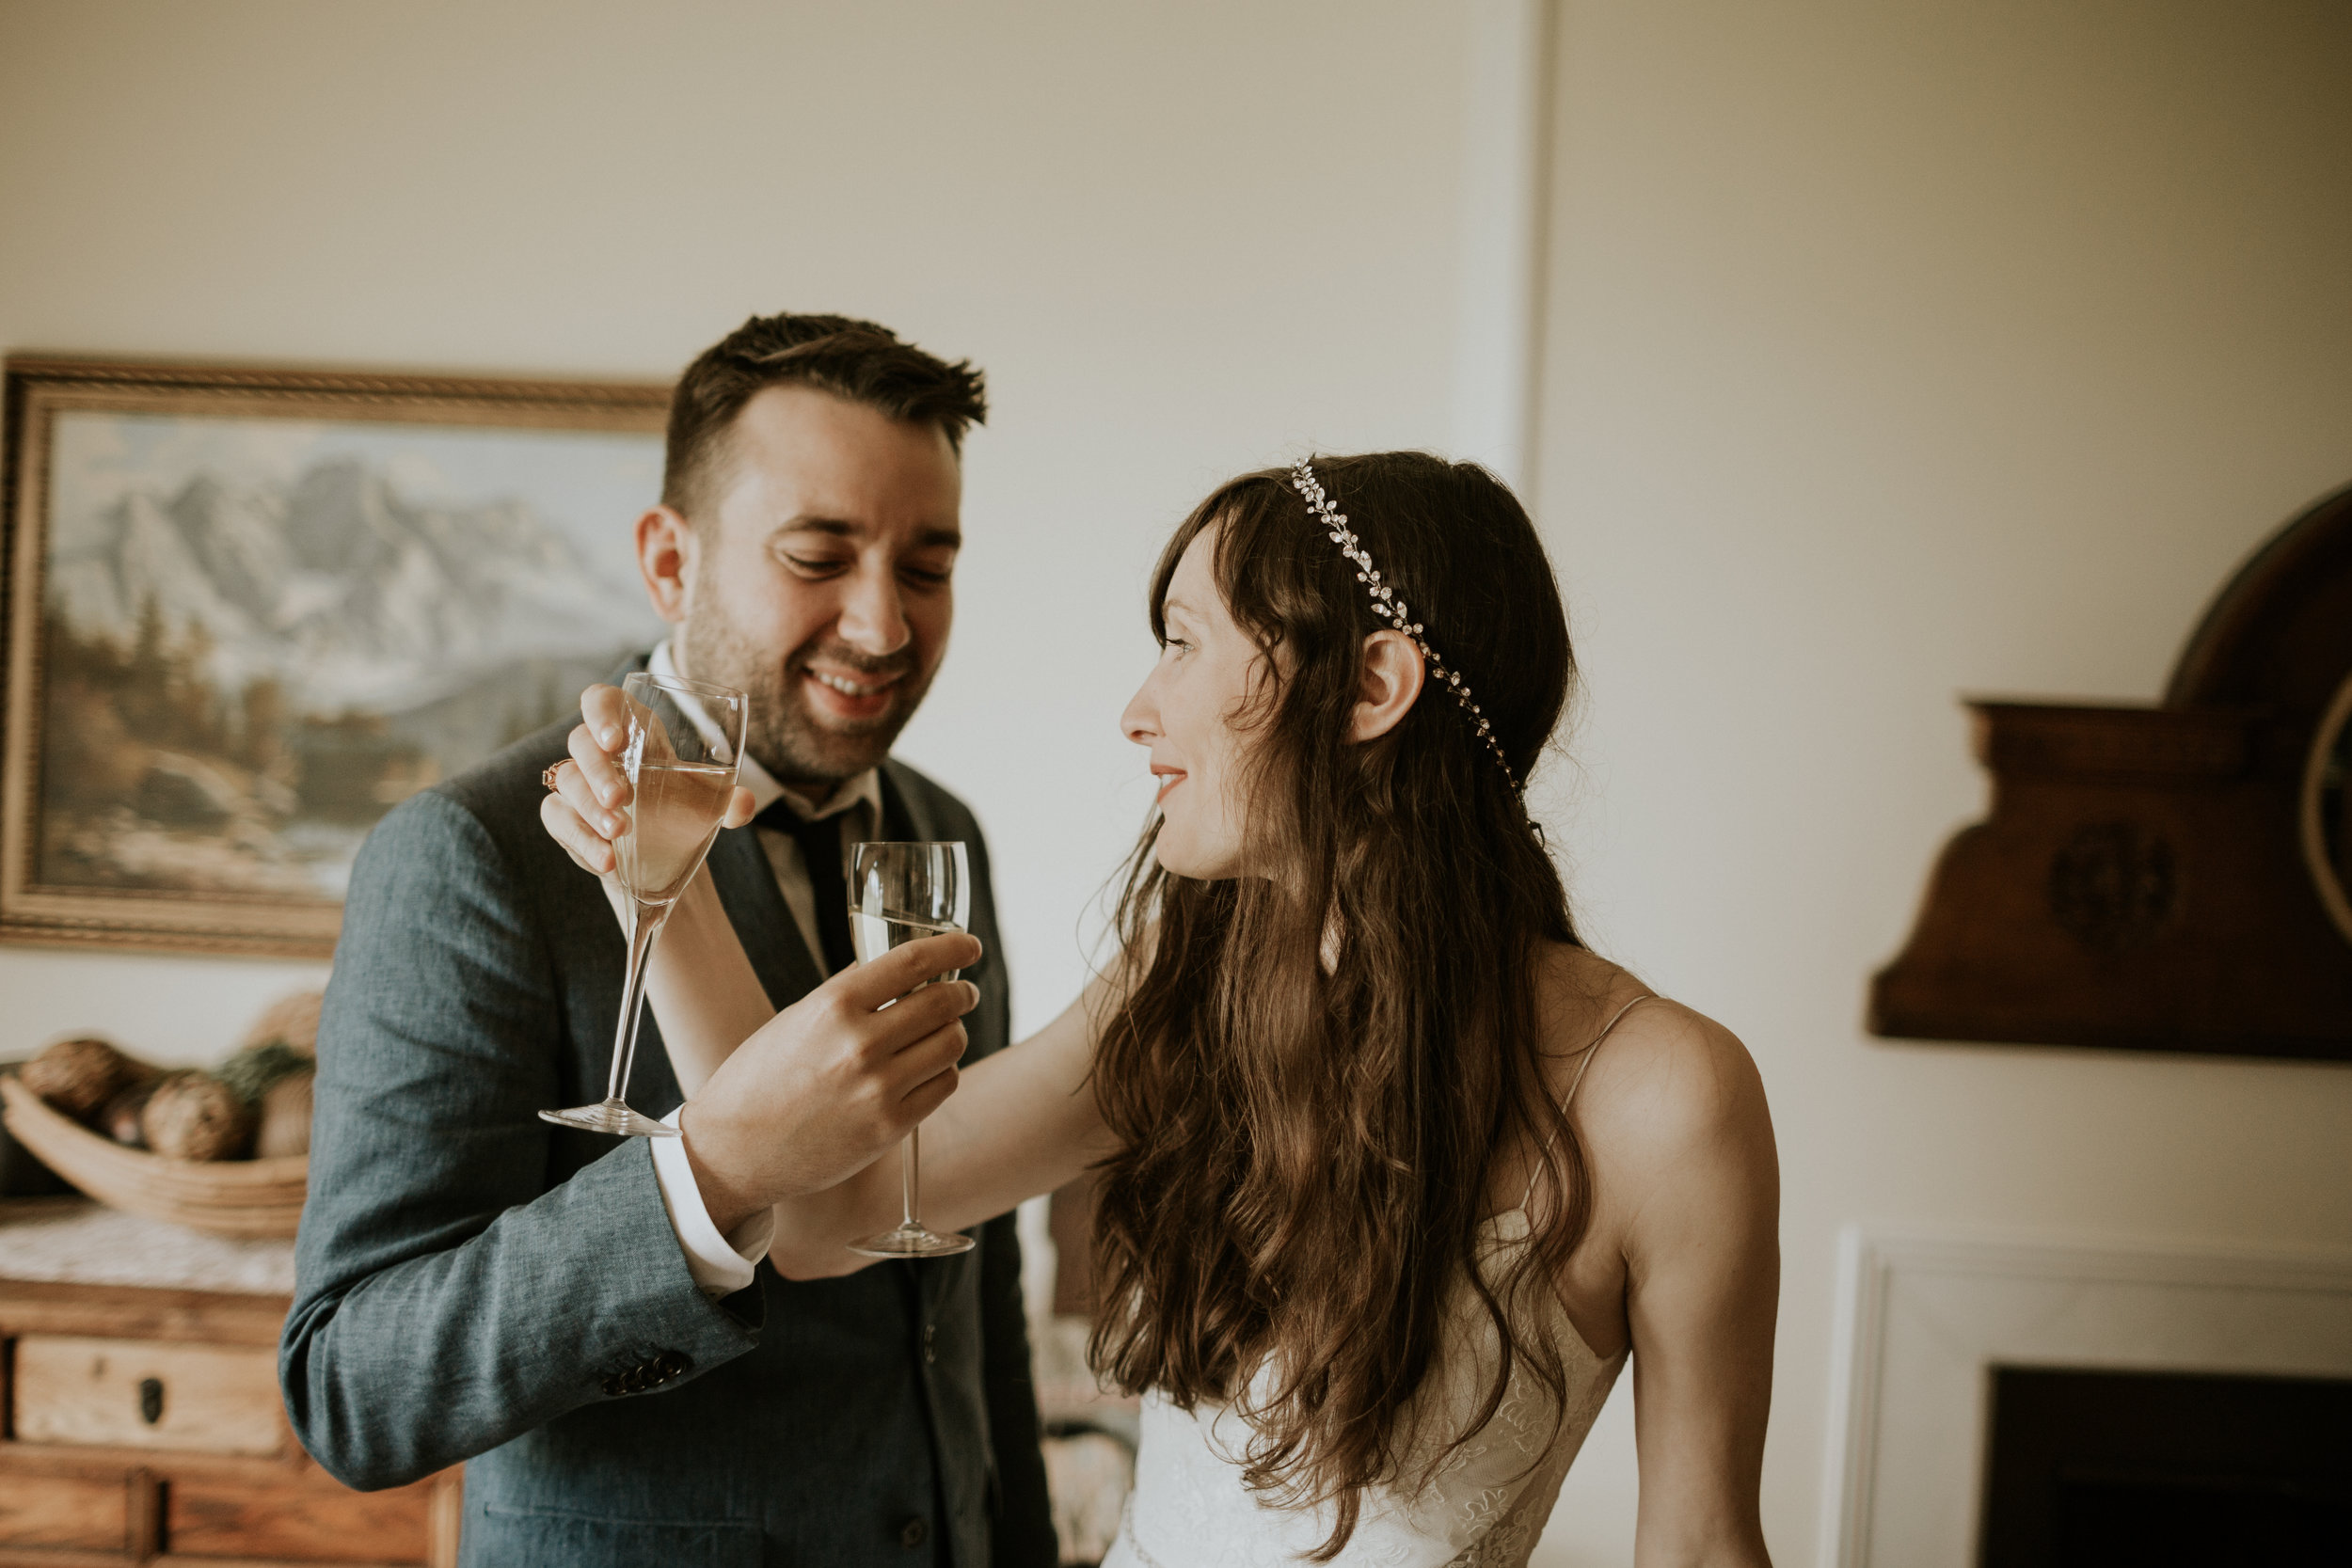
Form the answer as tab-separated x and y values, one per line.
1314	1068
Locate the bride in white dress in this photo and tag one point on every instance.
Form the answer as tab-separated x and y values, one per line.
1395	1173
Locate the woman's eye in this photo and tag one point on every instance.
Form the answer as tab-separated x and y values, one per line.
816	568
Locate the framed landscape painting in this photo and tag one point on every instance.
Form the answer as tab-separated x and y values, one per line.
247	611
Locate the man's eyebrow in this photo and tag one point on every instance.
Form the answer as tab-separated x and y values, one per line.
837	527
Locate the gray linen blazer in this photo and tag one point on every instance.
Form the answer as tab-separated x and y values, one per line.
476	1284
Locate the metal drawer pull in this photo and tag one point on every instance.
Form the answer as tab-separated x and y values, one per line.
150	1399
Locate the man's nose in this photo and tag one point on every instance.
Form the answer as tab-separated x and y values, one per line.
873	621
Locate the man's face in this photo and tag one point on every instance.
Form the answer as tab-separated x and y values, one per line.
820	579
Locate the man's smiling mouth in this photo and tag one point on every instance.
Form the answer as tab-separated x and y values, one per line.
854	697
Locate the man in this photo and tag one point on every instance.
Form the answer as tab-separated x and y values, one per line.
593	1325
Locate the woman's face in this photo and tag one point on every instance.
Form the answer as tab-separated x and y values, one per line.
1188	712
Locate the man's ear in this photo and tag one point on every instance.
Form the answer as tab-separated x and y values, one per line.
667	548
1391	683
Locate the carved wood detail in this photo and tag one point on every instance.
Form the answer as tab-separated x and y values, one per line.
2144	879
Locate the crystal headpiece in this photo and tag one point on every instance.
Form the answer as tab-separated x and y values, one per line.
1389	608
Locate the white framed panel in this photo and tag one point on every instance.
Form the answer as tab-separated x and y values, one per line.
1923	1321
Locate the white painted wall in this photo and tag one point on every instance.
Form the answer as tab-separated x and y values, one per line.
1889	354
1897	352
1182	242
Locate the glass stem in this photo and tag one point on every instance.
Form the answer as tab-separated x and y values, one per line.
644	923
909	1177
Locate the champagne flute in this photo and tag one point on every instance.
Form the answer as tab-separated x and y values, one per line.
685	739
901	893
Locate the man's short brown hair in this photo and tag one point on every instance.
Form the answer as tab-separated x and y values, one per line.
851	358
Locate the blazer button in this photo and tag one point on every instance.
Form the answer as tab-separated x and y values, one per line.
674	1363
930	1349
913	1532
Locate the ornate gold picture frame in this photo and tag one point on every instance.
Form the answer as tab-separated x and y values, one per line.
247	610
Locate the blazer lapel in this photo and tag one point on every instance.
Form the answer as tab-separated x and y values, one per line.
756	907
904	808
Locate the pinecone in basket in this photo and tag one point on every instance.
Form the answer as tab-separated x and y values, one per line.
79	1076
194	1116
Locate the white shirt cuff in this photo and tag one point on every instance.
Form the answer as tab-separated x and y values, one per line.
720	1264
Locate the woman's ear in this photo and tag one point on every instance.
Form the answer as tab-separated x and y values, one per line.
1391	683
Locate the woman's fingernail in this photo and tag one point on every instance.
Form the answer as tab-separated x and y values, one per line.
611	737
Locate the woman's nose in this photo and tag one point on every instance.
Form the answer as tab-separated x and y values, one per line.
1140	723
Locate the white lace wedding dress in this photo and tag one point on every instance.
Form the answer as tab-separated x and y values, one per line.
1485	1508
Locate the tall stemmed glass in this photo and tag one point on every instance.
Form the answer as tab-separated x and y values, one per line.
901	893
685	739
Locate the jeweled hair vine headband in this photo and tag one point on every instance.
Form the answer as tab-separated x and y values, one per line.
1393	610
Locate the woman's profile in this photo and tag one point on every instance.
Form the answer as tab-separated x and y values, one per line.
1395	1173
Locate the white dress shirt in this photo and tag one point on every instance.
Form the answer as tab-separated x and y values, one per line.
722	1263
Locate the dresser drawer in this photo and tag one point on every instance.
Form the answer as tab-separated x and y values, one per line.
310	1524
148	1394
65	1512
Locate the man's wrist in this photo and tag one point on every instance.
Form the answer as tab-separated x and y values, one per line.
728	1204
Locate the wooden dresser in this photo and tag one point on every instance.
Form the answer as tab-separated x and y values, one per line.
140	1420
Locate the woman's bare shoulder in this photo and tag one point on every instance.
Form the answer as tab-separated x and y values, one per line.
1666	1082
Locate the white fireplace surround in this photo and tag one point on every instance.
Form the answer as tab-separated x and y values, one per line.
1923	1320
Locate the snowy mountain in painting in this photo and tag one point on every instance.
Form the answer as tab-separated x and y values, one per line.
348	593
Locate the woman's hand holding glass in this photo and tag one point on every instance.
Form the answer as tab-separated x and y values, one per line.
812	1095
584	813
681	743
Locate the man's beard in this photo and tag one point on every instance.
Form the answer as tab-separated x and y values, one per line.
782	735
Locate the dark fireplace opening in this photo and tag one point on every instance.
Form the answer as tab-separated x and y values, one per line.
2121	1469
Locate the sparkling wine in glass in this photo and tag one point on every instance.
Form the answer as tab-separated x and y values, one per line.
901	893
685	739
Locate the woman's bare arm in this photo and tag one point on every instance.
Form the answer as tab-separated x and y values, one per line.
1680	1141
702	986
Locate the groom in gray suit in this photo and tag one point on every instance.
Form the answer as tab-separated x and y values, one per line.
592	1326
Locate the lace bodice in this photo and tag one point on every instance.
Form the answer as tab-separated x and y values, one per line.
1484	1509
1485	1506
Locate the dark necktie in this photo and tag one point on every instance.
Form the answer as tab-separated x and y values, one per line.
820	851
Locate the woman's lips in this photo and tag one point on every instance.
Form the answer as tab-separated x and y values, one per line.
1169	778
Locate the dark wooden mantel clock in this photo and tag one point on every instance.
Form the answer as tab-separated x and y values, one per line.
2175	878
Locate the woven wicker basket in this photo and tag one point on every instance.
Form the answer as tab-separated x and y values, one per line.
230	1197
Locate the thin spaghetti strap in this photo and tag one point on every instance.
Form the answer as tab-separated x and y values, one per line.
1590	1051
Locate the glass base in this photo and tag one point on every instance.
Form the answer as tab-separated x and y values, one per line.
912	1241
611	1115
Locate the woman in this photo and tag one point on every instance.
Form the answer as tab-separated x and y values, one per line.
1395	1173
